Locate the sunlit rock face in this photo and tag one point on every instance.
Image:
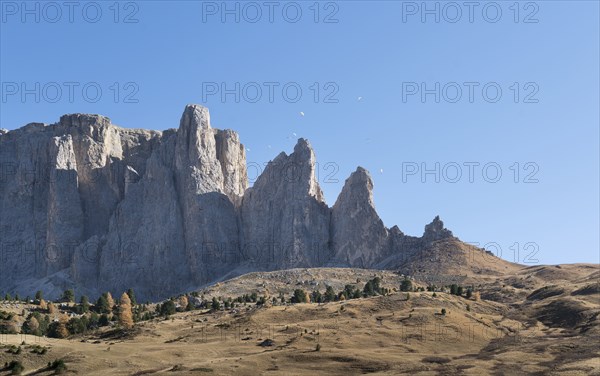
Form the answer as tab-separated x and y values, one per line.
88	205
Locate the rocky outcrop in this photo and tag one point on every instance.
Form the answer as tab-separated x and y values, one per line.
284	220
436	231
87	204
358	236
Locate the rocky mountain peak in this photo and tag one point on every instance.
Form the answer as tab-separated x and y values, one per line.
123	206
436	230
194	117
358	188
358	234
84	120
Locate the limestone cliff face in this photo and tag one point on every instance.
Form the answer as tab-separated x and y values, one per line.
358	236
88	205
284	220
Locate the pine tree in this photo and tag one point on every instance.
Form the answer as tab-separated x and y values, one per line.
376	284
167	308
93	321
215	304
299	296
454	289
348	291
39	295
69	296
125	313
329	294
85	304
190	306
132	297
103	321
102	304
316	296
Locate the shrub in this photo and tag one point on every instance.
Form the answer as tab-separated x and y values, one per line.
168	308
103	320
15	367
58	330
58	366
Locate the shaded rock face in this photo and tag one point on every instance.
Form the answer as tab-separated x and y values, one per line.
88	205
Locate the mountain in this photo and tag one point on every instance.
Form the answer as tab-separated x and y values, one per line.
88	205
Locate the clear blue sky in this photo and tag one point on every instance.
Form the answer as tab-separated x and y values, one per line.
375	50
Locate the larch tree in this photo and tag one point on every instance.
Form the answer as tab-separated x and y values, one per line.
125	313
111	301
51	308
183	302
33	326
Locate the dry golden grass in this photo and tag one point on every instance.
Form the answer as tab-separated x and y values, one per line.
386	335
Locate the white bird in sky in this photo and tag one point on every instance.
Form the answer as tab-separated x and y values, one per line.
359	99
301	113
294	134
269	146
381	170
247	149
